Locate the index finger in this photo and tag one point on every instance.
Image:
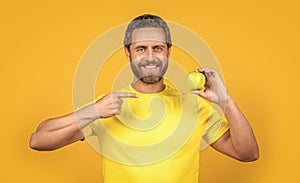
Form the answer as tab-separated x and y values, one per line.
126	95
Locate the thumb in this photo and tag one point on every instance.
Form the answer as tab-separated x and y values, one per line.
199	92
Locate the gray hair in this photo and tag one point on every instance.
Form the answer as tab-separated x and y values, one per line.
147	20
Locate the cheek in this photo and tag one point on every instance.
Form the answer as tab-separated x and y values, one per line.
136	58
134	55
134	63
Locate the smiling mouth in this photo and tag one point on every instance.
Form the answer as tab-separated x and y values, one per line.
150	66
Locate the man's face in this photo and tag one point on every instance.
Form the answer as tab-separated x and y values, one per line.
148	54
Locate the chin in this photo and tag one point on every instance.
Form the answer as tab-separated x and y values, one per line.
151	79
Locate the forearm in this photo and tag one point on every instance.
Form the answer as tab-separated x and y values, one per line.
58	132
242	137
54	133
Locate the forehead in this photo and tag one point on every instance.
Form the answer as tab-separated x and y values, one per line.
148	34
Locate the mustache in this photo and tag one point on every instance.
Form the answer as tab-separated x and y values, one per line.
148	62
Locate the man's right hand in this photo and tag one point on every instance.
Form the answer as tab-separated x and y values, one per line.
57	132
111	104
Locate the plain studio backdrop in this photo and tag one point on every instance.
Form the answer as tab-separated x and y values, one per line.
255	42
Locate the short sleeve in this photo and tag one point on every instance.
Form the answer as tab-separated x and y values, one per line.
88	130
215	130
214	127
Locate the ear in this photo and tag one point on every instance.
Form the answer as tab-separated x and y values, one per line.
127	53
169	52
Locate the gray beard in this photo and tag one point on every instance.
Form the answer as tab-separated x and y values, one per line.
151	79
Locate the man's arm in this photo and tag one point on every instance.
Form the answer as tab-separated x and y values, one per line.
57	132
54	133
239	141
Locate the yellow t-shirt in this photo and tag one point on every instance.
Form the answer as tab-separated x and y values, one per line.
157	137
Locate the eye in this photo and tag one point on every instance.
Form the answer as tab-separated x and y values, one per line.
158	48
140	49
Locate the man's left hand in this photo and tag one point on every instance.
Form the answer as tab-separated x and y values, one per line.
215	90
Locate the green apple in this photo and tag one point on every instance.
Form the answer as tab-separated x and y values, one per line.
195	81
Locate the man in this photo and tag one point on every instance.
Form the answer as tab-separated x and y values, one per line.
148	113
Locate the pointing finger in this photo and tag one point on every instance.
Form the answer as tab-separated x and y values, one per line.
126	95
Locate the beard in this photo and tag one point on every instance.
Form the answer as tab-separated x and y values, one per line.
146	75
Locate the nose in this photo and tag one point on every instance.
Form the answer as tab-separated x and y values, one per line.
150	55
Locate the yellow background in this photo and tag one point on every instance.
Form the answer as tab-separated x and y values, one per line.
256	43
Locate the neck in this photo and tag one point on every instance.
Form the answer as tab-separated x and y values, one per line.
142	87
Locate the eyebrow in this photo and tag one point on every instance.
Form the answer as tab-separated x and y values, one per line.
140	46
143	46
159	45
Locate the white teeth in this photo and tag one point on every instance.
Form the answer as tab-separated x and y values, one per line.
150	66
